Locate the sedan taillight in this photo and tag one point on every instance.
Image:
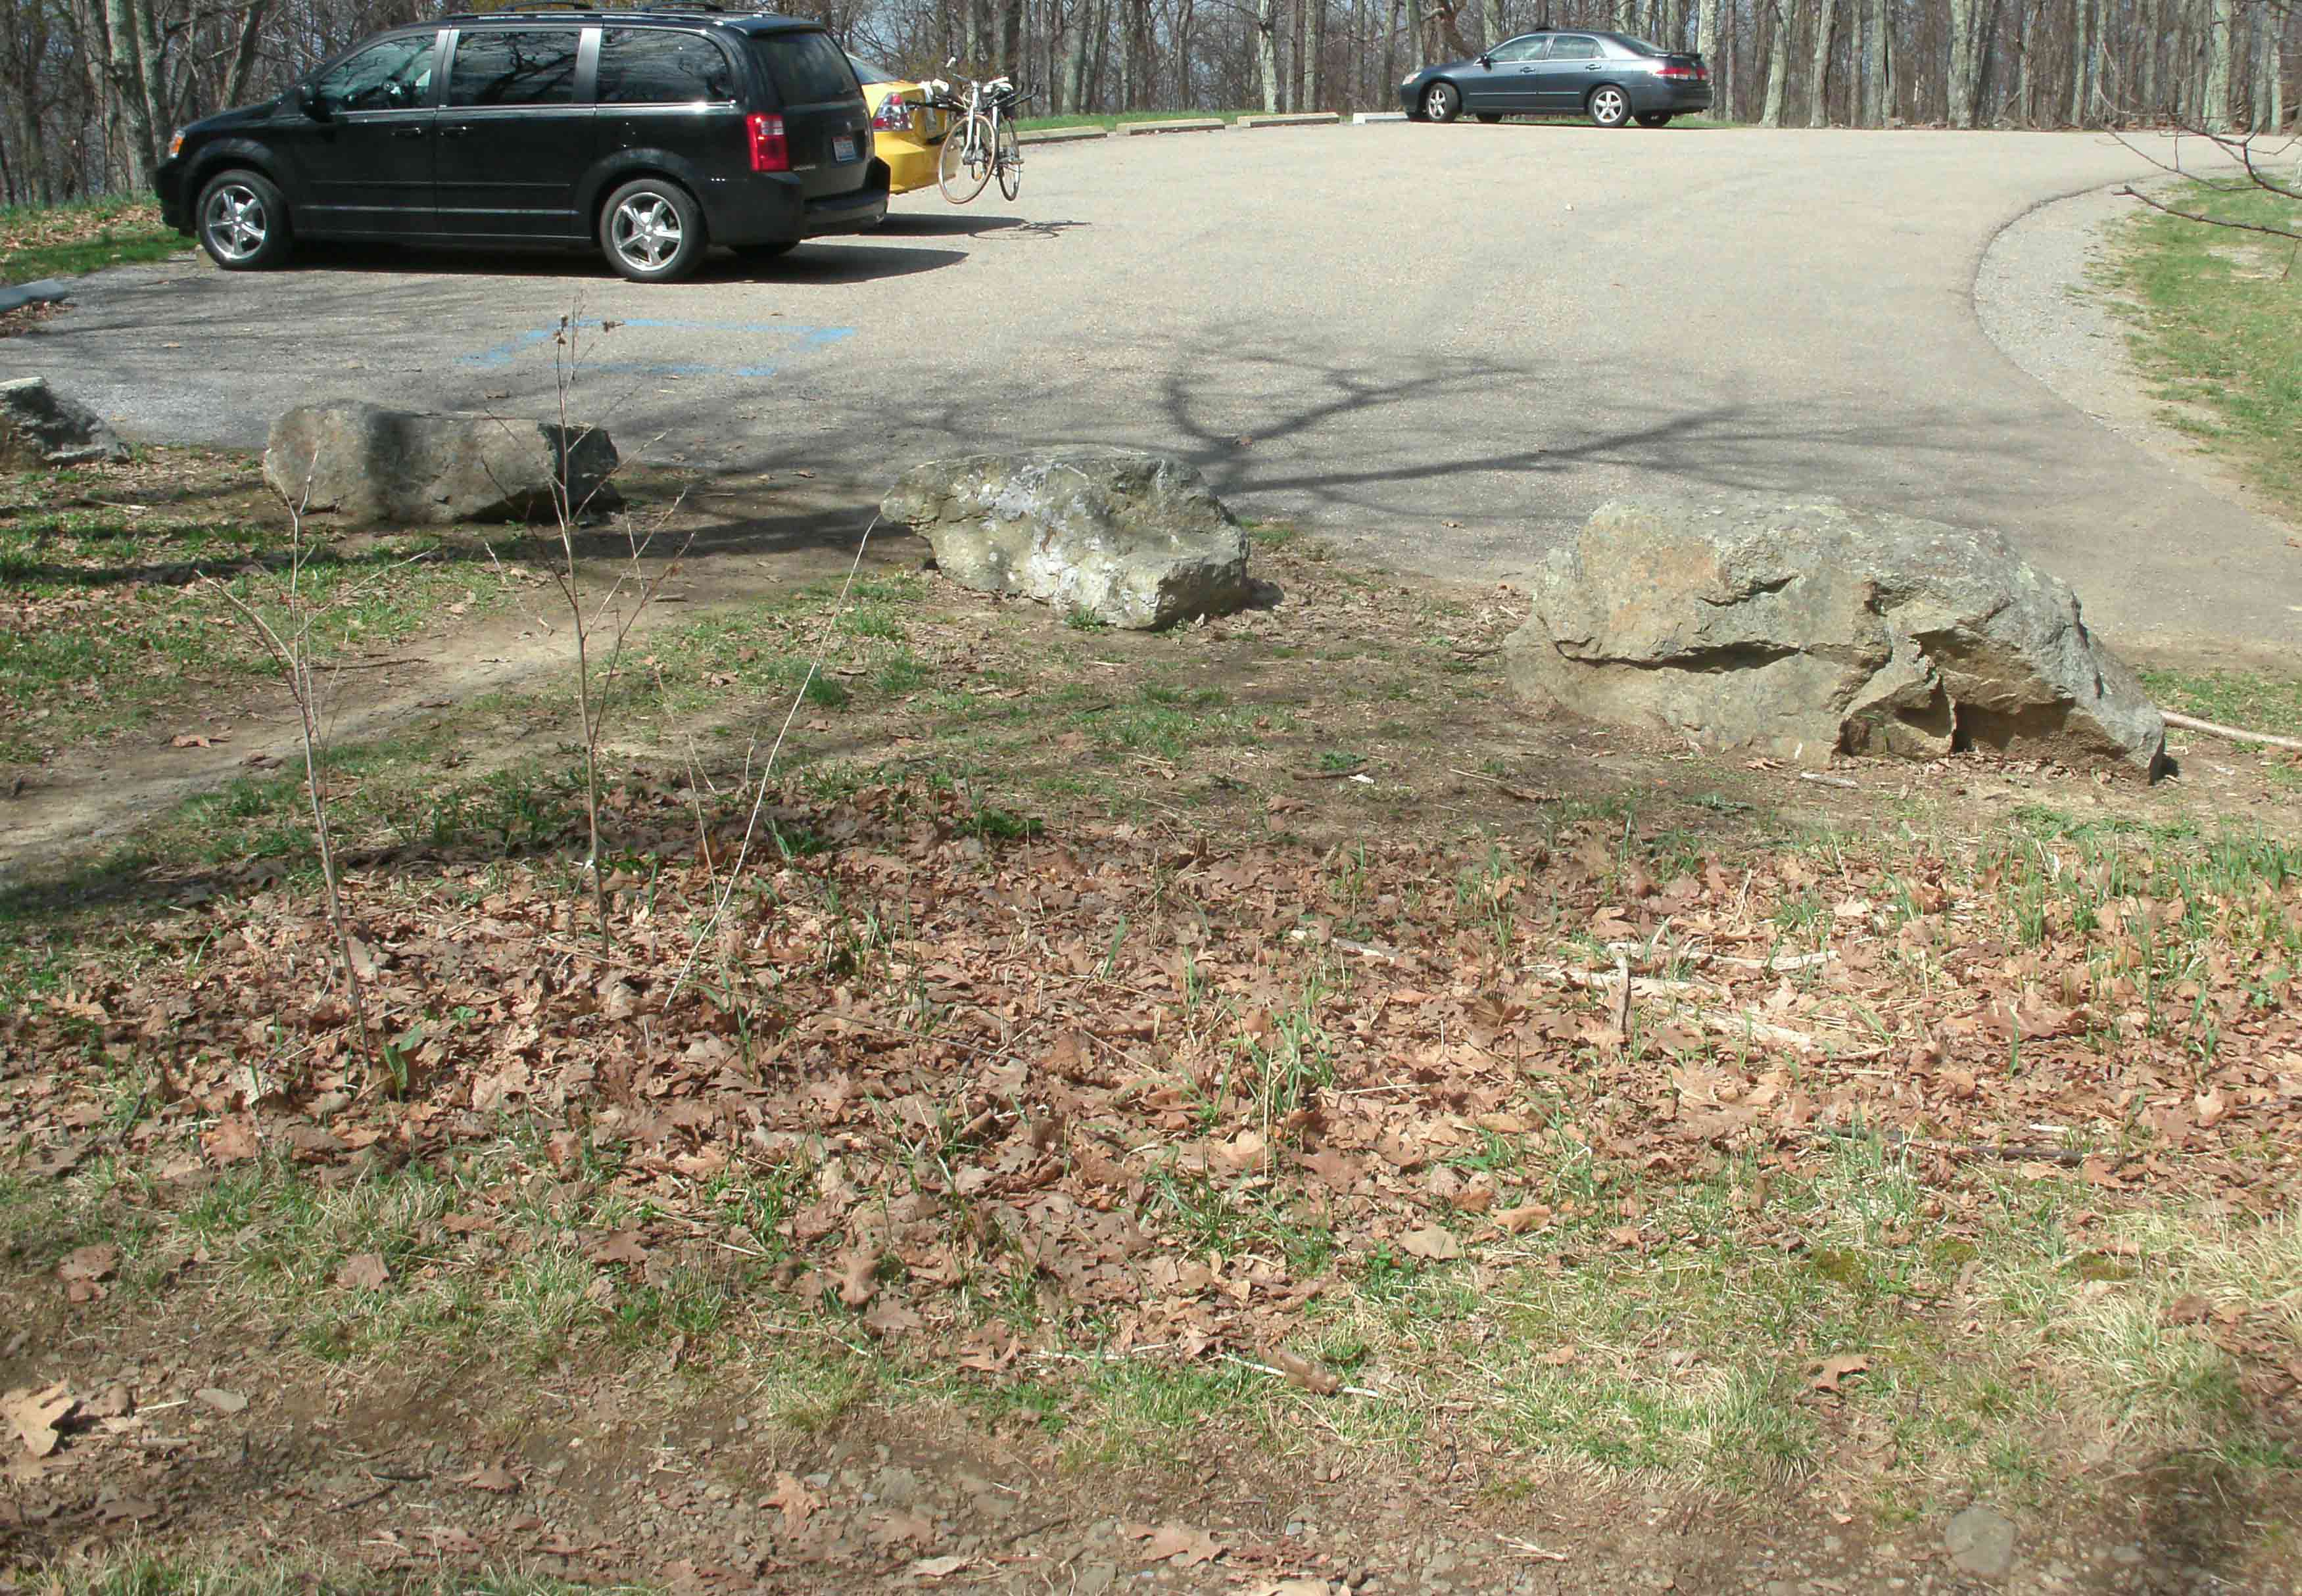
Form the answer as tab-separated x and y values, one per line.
1685	74
894	116
770	150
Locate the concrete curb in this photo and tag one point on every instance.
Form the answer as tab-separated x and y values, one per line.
47	290
1360	119
1292	119
1062	135
1136	129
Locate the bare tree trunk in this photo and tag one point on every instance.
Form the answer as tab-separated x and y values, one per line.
2214	115
1082	16
1396	13
2077	116
1876	106
2273	65
1826	36
1314	48
1960	86
1706	44
1493	15
1779	62
1266	53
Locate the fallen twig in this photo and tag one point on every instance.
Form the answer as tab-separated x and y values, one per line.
1343	1390
1830	781
2011	1152
2191	723
1529	1548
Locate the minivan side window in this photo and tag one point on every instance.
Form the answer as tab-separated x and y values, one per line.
809	68
391	76
515	66
654	66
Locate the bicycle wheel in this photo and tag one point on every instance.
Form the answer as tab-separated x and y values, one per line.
966	164
1007	160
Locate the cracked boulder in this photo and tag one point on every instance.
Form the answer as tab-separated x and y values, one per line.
1805	629
40	426
1132	539
370	467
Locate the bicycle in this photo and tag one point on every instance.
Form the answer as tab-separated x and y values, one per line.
983	143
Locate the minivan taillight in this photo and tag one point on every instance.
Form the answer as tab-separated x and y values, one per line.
770	150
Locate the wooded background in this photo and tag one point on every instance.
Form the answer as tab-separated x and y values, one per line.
90	90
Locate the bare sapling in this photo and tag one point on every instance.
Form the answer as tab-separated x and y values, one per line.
760	786
285	638
602	607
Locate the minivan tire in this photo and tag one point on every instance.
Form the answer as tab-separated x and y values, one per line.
243	221
652	230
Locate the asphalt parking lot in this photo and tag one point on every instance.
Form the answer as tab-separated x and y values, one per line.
1445	343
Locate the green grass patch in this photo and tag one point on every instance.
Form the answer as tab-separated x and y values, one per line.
1112	122
2233	698
2219	323
69	241
113	615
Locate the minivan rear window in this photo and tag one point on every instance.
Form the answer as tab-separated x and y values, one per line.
654	66
808	68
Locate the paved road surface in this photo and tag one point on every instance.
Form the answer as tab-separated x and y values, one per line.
1449	343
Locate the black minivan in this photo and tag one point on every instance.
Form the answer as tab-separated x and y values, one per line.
654	134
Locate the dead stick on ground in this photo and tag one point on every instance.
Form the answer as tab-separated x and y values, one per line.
2191	723
1345	1390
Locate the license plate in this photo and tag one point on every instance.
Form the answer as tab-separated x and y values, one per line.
843	146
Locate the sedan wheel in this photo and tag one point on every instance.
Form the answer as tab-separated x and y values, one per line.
1441	102
1610	107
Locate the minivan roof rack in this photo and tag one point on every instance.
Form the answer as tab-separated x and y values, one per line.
595	8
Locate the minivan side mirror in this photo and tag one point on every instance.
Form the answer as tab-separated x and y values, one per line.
308	101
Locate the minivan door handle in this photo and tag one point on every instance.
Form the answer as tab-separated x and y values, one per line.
408	133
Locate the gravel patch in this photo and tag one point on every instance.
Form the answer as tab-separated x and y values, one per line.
2042	299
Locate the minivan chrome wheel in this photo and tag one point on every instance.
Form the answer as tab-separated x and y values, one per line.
236	221
1610	107
651	231
243	222
647	231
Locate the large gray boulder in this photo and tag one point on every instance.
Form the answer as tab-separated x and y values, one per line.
1134	539
1800	630
374	467
40	426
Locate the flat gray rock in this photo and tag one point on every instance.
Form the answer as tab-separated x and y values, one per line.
1133	539
1980	1542
40	426
372	467
1806	629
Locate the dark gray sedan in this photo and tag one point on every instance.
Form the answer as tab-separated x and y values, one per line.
1611	77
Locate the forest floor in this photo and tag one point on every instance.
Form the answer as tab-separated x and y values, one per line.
1247	1108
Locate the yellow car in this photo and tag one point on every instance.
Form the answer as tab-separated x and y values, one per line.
904	134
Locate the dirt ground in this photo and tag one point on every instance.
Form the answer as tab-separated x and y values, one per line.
212	1405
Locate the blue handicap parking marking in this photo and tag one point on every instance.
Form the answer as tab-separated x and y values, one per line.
783	340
